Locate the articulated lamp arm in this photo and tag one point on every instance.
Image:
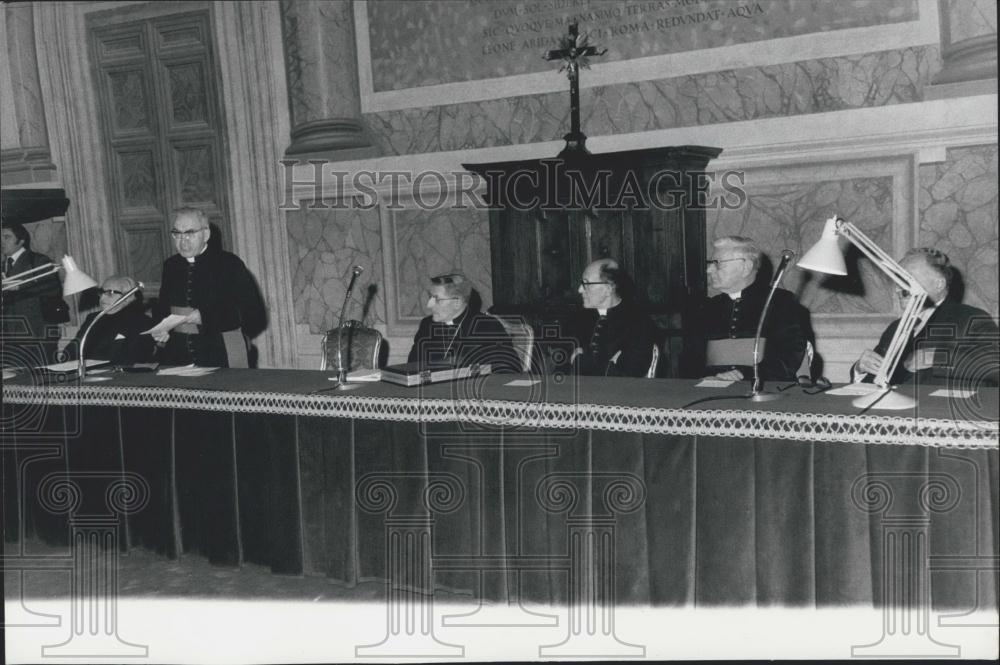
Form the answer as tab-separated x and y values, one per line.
904	280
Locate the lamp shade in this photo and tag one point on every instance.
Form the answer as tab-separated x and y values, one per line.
825	256
75	280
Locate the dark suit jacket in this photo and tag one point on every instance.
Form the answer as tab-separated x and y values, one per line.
965	340
475	338
24	306
116	337
628	332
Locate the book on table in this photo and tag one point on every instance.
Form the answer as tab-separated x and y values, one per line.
420	373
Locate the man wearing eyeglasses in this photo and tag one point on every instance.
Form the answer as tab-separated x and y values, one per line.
117	336
455	334
213	293
953	343
614	337
720	330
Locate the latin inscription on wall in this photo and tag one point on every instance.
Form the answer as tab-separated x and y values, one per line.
427	42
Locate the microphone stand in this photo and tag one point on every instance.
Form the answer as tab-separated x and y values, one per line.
757	394
341	370
81	363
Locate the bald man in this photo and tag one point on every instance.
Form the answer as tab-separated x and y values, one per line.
117	336
953	343
614	337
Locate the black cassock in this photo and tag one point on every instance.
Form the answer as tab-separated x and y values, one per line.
219	285
787	330
475	338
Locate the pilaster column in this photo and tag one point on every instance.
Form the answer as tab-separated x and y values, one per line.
24	140
250	59
322	72
74	132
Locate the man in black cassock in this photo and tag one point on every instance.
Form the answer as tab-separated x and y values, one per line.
214	295
719	332
456	334
613	336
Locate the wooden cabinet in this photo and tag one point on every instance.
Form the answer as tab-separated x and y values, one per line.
550	218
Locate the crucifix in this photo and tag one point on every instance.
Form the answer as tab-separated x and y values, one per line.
574	51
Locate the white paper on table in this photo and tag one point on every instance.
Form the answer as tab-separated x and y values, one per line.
714	383
854	389
186	370
71	365
166	325
522	383
949	392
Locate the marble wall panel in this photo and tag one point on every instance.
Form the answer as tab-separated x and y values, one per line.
958	215
432	242
323	246
790	216
789	89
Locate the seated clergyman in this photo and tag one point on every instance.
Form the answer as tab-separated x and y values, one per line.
116	336
613	336
456	334
720	330
952	343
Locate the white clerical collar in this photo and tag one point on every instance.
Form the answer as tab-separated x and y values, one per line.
457	318
602	312
735	296
190	259
16	255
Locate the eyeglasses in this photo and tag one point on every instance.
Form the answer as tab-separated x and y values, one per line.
585	284
715	262
111	292
809	387
186	235
449	278
439	299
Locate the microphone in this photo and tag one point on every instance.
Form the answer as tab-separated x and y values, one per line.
786	257
756	394
341	370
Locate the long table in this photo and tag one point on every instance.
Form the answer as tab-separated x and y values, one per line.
508	492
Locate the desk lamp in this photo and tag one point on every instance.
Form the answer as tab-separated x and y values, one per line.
826	257
74	282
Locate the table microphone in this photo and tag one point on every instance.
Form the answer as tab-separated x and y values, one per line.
756	394
341	370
